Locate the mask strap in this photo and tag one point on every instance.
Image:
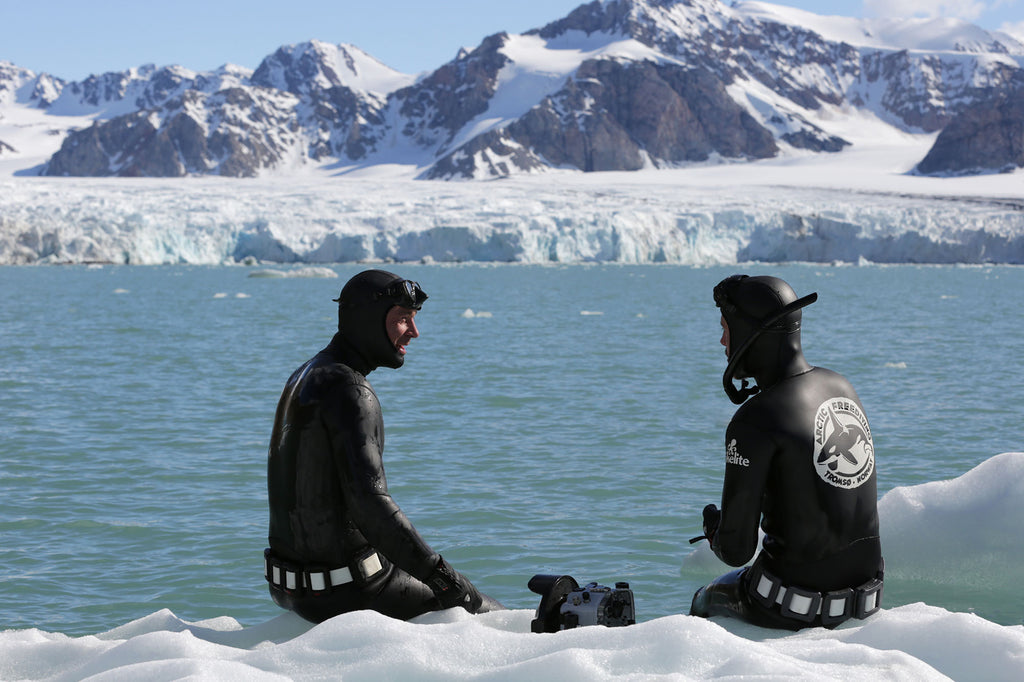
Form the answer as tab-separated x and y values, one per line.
739	395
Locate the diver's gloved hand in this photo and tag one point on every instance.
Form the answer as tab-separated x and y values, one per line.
712	518
452	589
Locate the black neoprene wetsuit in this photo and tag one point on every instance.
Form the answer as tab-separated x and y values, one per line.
800	462
329	500
820	524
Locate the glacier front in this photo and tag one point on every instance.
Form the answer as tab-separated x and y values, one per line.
713	215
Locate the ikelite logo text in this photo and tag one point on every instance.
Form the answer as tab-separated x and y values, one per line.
732	455
843	453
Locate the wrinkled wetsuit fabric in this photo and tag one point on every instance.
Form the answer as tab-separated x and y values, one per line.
819	535
329	500
799	461
328	494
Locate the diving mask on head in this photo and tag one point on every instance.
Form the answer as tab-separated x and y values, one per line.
405	293
724	295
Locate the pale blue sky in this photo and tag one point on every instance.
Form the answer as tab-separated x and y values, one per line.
73	38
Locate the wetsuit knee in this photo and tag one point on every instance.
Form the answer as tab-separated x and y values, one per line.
724	596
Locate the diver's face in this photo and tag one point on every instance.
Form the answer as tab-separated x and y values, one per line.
725	335
400	324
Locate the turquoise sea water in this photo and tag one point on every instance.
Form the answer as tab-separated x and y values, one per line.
573	424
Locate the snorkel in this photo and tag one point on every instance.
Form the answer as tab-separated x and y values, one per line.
724	299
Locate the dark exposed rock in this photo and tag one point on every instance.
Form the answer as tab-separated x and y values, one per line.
349	124
442	103
988	136
813	138
290	70
173	142
613	113
91	151
489	155
341	122
587	141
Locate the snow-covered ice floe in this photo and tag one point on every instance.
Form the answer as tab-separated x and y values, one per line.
927	529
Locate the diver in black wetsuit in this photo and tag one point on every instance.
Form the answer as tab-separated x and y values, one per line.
799	459
338	541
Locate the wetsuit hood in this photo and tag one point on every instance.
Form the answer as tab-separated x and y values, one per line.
764	316
363	306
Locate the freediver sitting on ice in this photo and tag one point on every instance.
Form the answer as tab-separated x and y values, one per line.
799	460
338	541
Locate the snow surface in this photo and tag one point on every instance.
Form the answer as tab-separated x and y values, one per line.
911	642
940	34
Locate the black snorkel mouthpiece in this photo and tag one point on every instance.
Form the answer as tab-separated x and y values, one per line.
739	394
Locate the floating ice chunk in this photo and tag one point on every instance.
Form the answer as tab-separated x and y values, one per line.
314	271
311	271
268	274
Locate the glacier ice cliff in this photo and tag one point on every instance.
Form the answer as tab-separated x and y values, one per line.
539	220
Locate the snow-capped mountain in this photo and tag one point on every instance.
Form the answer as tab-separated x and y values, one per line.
615	85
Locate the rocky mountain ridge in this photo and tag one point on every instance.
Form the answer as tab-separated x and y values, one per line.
658	83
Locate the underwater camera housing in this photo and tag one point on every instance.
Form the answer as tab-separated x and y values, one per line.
565	605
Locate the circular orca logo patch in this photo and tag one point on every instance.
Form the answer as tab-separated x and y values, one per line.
843	453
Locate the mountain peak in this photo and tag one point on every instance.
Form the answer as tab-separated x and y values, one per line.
317	65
